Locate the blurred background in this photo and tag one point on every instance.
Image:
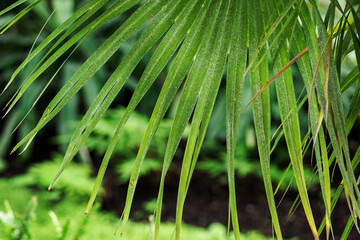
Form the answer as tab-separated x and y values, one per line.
28	211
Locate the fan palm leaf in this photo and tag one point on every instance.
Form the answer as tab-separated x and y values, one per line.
210	39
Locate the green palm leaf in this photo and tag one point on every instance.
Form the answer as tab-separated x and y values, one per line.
206	39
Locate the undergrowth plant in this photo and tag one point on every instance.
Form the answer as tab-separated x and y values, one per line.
208	40
16	226
130	140
29	217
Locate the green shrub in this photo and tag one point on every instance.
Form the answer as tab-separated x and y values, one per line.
27	217
129	142
76	181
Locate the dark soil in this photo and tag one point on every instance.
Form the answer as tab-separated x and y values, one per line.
207	202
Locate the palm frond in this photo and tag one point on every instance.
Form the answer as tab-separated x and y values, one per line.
206	39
